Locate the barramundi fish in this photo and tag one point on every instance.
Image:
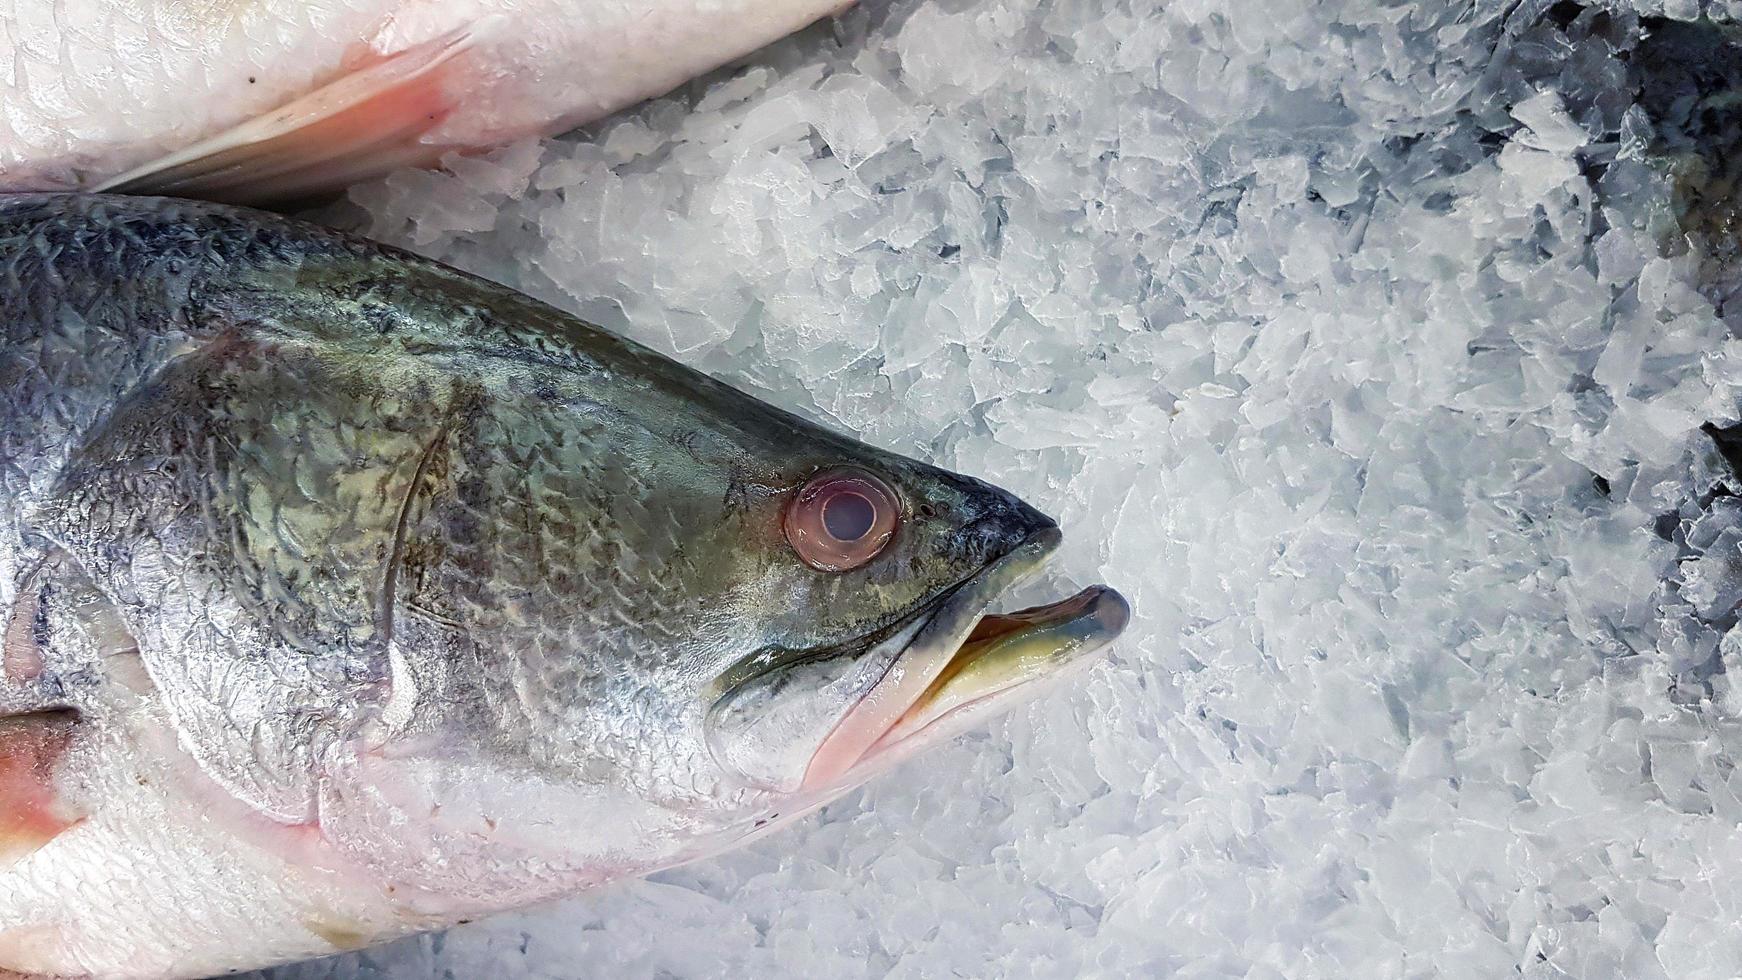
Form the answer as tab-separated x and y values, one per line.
256	100
345	595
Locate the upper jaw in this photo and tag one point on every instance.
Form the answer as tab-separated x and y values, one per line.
950	673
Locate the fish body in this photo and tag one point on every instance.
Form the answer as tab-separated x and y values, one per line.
288	99
344	595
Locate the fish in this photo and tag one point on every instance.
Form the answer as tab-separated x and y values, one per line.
345	595
252	101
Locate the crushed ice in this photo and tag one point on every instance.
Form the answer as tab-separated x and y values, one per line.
1365	346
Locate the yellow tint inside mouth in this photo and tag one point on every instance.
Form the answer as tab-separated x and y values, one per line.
1012	649
963	664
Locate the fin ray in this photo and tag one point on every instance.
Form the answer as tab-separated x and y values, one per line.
363	123
32	813
21	659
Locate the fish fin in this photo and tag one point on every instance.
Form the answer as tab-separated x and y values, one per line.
21	656
368	121
60	624
32	811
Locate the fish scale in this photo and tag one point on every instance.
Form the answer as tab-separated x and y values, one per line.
347	624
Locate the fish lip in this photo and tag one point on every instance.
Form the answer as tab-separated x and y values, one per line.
863	732
769	660
1074	628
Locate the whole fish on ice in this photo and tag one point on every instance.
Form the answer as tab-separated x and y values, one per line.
344	595
251	100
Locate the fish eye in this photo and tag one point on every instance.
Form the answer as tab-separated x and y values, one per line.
842	519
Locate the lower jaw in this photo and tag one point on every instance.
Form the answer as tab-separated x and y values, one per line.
1002	660
1011	656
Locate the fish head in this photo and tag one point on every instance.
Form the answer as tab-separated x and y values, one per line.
861	661
676	617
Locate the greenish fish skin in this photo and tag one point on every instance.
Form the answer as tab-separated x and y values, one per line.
428	565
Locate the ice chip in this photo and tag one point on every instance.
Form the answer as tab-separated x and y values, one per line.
1363	345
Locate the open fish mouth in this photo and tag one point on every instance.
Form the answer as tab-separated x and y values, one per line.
965	663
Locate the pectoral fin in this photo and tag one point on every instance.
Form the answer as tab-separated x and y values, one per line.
60	626
32	811
21	659
366	122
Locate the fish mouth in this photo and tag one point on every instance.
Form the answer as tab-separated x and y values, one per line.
965	663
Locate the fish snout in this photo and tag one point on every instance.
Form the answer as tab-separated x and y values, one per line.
998	523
